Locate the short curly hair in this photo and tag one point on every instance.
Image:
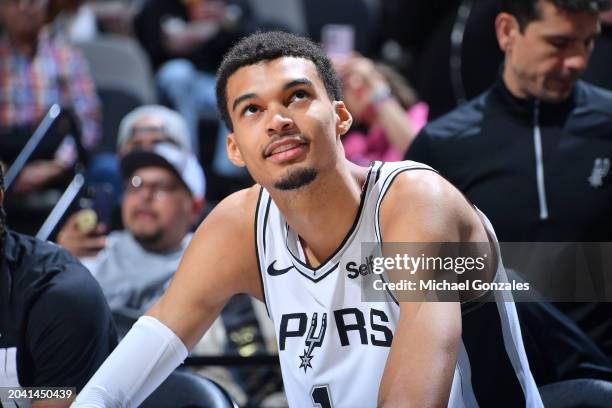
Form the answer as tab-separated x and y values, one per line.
527	11
267	46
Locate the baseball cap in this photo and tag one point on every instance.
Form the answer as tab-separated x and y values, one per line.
179	161
175	126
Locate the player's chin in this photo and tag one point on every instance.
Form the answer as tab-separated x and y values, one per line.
296	178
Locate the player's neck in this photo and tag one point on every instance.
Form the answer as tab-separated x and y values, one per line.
324	212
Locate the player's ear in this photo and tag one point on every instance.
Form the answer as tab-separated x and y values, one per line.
233	151
344	120
506	29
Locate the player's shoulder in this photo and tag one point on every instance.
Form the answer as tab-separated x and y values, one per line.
238	207
232	217
420	184
423	198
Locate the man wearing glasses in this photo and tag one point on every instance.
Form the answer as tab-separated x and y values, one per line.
164	194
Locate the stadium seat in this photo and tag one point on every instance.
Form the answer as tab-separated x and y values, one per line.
118	62
288	13
183	389
123	78
579	393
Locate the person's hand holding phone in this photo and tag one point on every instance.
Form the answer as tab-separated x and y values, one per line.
362	85
82	235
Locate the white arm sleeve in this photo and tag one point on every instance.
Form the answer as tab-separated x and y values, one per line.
140	363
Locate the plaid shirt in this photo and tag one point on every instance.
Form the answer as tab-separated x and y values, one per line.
57	73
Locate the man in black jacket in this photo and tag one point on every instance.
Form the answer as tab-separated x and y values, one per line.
533	152
55	326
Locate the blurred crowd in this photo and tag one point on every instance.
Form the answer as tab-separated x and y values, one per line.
134	82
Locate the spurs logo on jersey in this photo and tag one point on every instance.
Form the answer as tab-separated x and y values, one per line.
350	320
333	346
313	340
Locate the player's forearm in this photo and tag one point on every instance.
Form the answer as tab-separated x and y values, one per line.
140	363
421	364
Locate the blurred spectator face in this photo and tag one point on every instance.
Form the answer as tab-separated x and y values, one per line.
157	207
23	19
546	59
145	133
356	96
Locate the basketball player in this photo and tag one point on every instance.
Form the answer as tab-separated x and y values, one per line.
288	241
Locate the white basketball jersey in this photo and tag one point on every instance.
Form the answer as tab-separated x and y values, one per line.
333	346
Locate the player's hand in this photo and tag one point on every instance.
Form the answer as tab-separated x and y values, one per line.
79	239
36	174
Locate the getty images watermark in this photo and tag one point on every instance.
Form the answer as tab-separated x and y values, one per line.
459	265
522	271
433	272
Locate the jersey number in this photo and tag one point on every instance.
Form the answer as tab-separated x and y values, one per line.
321	396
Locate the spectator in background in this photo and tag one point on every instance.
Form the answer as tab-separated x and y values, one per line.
384	106
55	327
36	71
185	41
163	198
164	193
533	153
141	128
150	124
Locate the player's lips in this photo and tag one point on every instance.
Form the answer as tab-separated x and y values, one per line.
285	149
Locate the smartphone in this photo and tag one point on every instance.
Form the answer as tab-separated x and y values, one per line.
338	40
99	197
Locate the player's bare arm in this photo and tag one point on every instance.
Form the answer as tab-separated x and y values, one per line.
423	207
219	263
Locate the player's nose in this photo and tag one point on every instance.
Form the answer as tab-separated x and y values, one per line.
280	122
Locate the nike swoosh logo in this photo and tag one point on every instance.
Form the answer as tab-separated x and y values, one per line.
277	272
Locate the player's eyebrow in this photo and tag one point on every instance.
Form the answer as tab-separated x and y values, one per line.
242	98
288	85
298	82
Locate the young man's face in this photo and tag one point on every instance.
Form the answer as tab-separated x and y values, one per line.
286	128
546	60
